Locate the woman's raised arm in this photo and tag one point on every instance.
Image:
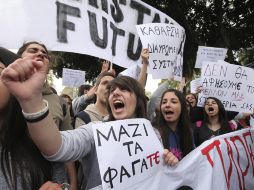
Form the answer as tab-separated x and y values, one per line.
25	78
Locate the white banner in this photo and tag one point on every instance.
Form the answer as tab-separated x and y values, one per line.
128	157
209	54
232	84
104	29
73	78
165	42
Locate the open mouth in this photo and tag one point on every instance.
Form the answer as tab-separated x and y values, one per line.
210	109
118	104
169	112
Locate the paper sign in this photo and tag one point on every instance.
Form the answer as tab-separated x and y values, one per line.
165	42
209	54
136	147
73	78
194	84
232	84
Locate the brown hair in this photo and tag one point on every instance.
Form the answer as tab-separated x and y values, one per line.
131	85
223	119
183	126
103	74
26	44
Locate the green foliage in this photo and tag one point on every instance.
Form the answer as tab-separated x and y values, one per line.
246	56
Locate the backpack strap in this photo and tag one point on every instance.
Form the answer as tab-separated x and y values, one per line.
84	116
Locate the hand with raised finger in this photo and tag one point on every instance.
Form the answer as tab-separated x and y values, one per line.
25	78
145	55
169	158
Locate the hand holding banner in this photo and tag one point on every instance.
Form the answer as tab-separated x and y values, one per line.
129	155
136	147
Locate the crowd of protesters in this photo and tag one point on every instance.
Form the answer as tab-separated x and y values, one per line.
36	155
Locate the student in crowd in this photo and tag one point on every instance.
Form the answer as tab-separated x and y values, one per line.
97	111
214	123
192	99
22	165
195	112
67	106
174	124
89	97
83	89
126	100
85	97
153	105
63	172
94	112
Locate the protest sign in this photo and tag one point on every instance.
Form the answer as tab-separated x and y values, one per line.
194	84
104	29
223	162
209	54
165	42
135	146
232	84
73	78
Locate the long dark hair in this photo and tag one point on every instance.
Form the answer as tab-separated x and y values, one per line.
21	161
131	85
194	96
223	119
183	126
